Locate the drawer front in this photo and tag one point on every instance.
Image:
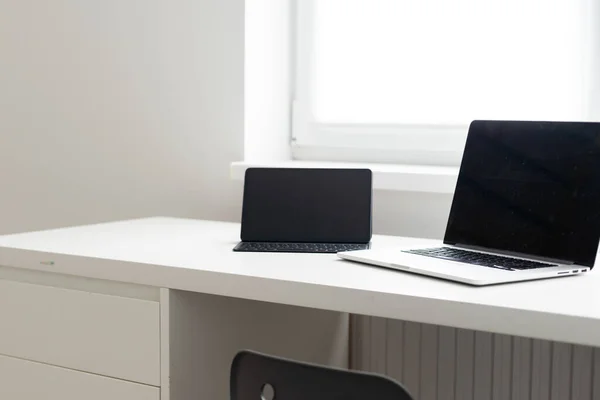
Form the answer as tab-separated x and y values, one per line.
107	335
25	380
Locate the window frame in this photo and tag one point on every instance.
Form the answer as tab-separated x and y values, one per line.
431	144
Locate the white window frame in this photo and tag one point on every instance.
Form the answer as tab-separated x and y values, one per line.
400	144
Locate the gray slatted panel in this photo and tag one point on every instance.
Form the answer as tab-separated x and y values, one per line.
596	375
521	369
429	362
483	366
560	387
378	352
412	357
355	353
465	358
502	368
581	383
361	353
446	363
541	363
395	346
442	363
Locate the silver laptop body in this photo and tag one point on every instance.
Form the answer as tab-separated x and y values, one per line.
526	206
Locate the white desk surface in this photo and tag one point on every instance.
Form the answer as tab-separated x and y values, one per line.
197	256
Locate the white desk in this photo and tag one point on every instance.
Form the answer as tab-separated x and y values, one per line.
180	258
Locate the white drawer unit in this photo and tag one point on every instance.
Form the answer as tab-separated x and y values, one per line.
107	335
25	380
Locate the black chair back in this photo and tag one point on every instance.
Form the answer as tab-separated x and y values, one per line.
257	376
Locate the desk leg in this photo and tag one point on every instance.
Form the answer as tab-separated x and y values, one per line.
200	334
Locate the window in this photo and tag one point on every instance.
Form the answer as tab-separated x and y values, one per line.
400	80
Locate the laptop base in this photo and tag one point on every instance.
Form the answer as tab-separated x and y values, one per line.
454	271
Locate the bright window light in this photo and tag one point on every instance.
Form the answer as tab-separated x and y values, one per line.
403	64
440	61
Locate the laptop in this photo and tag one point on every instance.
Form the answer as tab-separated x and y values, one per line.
306	210
526	206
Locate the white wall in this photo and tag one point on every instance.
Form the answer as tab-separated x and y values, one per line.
268	90
411	214
268	80
116	109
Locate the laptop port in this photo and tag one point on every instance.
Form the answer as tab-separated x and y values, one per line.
564	272
575	271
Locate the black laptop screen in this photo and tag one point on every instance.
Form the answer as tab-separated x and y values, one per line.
307	205
530	188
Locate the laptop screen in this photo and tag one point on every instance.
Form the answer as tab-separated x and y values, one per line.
307	205
531	188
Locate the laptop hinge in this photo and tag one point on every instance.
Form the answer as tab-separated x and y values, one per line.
512	254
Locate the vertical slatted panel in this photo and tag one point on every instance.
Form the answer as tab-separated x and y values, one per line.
429	362
465	347
446	363
581	382
521	369
442	363
541	363
378	352
395	346
596	375
356	361
561	371
360	353
483	366
412	357
502	367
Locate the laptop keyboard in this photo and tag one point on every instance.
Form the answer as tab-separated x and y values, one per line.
299	247
486	260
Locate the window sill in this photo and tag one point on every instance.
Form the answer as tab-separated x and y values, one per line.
407	178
